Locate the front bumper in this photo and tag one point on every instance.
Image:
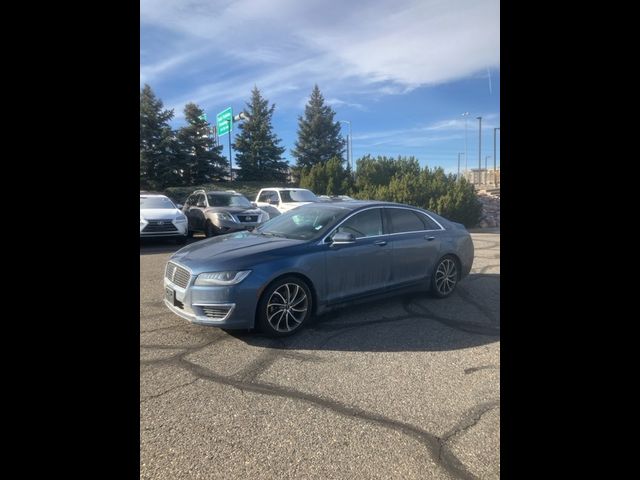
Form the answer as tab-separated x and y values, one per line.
192	303
224	226
180	231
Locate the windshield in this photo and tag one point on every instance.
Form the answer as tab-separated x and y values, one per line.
156	202
297	196
303	223
219	200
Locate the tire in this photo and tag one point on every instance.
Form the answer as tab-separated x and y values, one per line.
445	277
284	307
209	229
189	233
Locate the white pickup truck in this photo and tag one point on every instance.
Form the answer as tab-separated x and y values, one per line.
279	200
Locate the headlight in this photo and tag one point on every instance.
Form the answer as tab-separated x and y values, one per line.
222	278
180	219
225	216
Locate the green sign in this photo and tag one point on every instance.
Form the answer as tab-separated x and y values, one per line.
224	121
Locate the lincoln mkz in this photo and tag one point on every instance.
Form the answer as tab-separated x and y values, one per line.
312	259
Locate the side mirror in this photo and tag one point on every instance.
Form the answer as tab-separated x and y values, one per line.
253	204
179	206
342	238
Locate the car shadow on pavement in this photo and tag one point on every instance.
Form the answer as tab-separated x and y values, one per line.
408	322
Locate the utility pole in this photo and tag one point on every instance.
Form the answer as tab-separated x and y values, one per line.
486	170
458	177
465	115
230	155
495	175
479	147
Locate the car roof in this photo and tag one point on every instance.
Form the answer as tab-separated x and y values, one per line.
153	195
285	188
357	204
222	192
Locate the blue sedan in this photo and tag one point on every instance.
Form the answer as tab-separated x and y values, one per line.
312	259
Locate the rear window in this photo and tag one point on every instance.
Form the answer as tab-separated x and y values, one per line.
403	220
297	196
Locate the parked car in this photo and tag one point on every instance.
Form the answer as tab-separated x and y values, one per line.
220	212
335	198
281	200
160	218
314	258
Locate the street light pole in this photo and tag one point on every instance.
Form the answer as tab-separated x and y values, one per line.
230	155
479	146
459	153
495	178
465	115
486	170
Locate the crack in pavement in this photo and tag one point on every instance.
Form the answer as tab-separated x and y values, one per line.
486	311
151	397
471	419
433	443
473	328
450	463
467	371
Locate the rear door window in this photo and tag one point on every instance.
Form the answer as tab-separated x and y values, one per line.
403	220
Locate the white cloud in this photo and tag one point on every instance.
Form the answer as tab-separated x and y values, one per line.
385	47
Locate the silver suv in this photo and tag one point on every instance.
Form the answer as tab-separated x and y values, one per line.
220	212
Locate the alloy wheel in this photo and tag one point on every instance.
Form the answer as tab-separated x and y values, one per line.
446	276
287	307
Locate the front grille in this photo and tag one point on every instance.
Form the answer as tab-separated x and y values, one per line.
177	275
157	226
248	218
216	312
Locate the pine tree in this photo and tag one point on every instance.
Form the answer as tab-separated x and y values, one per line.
200	161
258	153
157	146
319	136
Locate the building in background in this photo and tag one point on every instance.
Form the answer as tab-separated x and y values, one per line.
482	176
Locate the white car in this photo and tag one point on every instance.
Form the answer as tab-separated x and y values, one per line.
160	218
279	200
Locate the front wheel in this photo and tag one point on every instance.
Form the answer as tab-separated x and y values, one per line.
445	277
284	307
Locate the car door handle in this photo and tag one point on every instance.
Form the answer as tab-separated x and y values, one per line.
428	238
381	243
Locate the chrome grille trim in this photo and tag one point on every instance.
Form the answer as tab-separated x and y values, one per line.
177	275
160	225
218	312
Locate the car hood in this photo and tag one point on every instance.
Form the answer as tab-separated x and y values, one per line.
232	251
159	213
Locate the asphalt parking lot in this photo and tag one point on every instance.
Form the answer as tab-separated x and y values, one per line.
405	388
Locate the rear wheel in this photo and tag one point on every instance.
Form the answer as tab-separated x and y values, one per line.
284	307
445	277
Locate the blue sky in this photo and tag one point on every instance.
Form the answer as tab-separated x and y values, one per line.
401	72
